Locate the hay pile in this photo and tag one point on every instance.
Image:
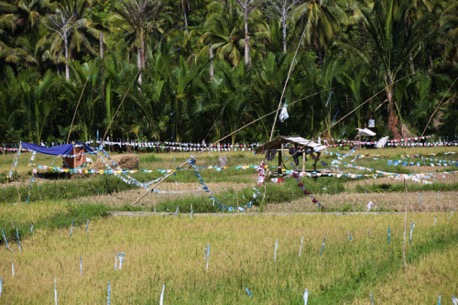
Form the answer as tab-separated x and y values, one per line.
125	161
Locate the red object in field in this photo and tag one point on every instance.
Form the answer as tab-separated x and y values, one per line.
76	161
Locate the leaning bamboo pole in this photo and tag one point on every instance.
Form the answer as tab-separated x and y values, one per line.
216	142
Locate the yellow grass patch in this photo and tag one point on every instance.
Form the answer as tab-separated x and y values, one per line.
431	202
168	191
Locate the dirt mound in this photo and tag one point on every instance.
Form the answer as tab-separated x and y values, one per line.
125	161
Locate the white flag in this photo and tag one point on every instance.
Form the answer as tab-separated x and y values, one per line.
284	113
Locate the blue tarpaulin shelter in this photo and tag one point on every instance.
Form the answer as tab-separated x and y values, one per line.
72	154
60	150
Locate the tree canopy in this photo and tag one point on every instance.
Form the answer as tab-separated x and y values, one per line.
201	69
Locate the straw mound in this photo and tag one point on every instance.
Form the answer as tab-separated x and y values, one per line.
125	161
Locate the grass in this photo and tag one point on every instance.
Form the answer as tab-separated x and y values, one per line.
46	214
430	270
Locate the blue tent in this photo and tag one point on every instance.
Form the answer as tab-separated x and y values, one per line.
60	150
72	154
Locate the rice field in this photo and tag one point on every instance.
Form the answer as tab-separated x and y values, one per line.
357	259
71	247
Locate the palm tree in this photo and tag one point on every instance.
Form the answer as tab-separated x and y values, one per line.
284	8
233	94
320	23
119	74
185	7
8	18
100	13
30	12
247	6
395	49
225	32
11	116
142	16
449	38
19	30
69	30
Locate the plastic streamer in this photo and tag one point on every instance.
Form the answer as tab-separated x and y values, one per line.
123	174
32	158
300	247
336	163
29	189
109	293
412	225
161	300
192	162
322	245
15	163
6	241
55	291
275	250
71	229
18	240
207	256
306	192
120	259
389	234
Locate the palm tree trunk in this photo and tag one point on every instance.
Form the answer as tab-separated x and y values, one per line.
67	69
284	28
141	59
183	7
101	49
247	38
139	66
212	72
392	117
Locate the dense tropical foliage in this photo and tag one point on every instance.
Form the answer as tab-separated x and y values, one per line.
200	69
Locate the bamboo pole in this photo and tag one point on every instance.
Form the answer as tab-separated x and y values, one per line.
207	148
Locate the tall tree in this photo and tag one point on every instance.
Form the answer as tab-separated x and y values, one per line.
227	38
100	13
69	30
320	23
283	8
247	6
185	7
395	48
142	16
